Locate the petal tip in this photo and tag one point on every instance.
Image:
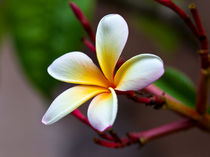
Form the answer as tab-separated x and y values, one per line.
44	121
50	70
102	129
107	127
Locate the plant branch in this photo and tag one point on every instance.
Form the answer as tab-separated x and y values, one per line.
77	114
178	107
146	136
155	100
163	130
202	97
83	20
115	136
181	13
89	45
197	20
199	32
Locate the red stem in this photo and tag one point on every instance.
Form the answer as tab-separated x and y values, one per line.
106	143
197	19
181	13
154	100
145	136
124	142
76	113
89	45
160	131
199	32
83	20
202	97
115	136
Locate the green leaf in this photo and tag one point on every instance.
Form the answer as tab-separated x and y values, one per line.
2	22
178	85
44	30
161	33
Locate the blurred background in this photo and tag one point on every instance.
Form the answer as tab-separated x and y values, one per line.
35	32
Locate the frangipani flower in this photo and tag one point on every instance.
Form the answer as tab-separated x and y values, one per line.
76	67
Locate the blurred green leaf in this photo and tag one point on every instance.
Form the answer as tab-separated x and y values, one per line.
178	85
163	35
44	30
2	22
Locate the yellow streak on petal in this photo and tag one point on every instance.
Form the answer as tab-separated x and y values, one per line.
111	36
138	72
69	100
77	67
103	110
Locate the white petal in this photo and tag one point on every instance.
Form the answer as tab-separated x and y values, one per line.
77	67
102	110
111	36
138	72
69	100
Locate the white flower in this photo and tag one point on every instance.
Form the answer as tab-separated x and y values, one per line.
78	68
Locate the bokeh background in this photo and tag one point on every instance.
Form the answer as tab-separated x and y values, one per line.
35	32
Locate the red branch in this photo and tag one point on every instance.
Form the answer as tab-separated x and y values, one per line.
124	142
76	113
199	32
197	19
115	136
202	98
155	100
164	130
181	13
202	37
83	20
89	45
145	136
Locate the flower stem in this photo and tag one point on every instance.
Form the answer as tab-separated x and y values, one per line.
76	113
202	97
83	20
199	32
146	136
197	19
89	45
175	105
181	13
157	100
115	136
160	131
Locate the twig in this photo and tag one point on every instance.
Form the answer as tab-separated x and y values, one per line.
197	20
181	13
83	20
154	100
180	108
145	136
115	136
89	45
76	113
125	142
160	131
202	97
